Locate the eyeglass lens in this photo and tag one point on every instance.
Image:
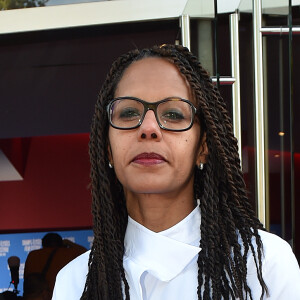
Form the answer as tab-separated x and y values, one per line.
172	114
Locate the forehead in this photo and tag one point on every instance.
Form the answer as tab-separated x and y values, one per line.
153	78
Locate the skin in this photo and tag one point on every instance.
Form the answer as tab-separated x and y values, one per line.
158	192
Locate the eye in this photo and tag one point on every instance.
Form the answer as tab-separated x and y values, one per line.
129	113
172	115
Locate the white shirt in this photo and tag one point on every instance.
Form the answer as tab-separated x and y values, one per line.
162	266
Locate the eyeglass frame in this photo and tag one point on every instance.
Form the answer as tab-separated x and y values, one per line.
151	106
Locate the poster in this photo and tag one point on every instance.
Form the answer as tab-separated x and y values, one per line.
20	244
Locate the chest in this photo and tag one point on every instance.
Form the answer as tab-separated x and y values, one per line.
145	285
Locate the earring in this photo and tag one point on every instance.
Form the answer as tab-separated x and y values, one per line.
201	166
110	165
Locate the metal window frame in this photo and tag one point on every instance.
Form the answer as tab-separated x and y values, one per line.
235	71
234	79
261	155
260	158
87	14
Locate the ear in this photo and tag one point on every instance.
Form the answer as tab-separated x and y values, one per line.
203	151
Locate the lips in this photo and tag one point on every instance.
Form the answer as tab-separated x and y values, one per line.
148	159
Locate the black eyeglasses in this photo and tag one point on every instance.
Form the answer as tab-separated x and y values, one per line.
173	113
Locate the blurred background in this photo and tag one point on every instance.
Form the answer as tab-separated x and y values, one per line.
54	57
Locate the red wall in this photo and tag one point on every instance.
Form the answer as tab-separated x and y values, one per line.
55	191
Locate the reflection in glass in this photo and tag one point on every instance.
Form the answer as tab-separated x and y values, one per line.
13	4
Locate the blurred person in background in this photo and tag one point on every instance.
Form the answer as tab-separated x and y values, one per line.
42	265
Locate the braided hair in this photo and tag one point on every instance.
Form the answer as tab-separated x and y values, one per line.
229	228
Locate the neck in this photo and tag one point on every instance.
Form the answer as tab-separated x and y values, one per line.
159	212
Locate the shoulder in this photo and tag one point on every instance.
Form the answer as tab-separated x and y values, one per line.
276	251
280	268
272	245
71	279
39	252
80	264
272	238
35	260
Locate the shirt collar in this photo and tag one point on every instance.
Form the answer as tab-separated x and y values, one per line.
164	254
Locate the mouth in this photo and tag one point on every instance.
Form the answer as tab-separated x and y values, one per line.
149	159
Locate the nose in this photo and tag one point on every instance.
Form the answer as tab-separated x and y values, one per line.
149	129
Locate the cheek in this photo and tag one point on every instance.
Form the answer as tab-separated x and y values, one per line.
117	157
189	143
113	145
191	149
119	145
184	152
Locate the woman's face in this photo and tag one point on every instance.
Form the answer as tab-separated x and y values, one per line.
148	159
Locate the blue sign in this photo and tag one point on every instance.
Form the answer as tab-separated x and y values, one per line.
20	244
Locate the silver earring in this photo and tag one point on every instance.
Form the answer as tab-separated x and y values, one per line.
201	166
110	165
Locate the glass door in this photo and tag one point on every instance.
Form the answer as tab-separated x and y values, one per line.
271	145
252	55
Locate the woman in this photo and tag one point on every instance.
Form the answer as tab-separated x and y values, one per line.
170	209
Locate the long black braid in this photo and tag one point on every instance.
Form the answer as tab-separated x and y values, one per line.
228	224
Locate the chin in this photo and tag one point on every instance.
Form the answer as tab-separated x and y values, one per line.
148	188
